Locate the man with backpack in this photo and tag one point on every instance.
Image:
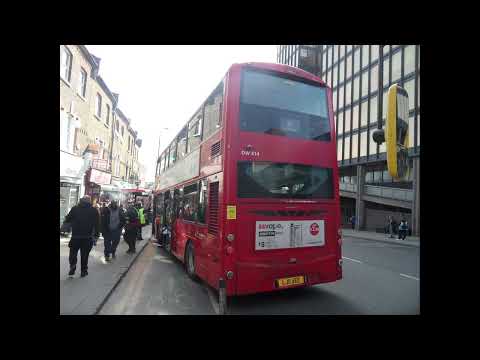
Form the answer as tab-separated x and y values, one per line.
113	220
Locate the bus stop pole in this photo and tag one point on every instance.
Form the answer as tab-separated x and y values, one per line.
222	296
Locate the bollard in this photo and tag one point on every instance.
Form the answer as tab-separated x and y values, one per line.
222	296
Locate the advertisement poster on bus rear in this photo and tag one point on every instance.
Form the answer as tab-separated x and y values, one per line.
271	235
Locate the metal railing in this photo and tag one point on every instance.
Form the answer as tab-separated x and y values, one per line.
348	187
388	192
381	191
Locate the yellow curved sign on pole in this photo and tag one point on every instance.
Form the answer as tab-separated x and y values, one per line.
396	132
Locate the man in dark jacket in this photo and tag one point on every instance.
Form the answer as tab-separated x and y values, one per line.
85	222
131	228
113	220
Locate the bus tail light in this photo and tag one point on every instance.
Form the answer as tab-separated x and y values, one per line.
229	275
229	250
230	237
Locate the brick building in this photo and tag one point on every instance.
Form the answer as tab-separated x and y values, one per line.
98	145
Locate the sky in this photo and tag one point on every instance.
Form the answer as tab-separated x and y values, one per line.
162	86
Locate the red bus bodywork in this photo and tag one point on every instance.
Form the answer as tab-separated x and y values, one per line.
257	270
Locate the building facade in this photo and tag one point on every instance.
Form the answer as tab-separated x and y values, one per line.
93	132
366	188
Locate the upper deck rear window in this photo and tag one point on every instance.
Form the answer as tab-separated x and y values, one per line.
276	105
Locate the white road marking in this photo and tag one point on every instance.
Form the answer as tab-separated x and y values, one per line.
410	277
358	261
213	300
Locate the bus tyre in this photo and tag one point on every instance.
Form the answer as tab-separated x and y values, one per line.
190	262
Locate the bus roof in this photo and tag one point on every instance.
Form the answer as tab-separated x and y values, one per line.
285	69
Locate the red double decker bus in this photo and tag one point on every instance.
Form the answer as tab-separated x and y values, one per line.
249	187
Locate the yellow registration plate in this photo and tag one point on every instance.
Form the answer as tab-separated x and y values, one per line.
285	282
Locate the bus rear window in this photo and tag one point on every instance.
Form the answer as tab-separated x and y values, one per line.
262	179
279	106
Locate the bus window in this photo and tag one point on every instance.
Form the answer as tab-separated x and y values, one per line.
202	201
194	131
162	163
213	106
190	202
173	153
177	200
276	105
262	179
182	143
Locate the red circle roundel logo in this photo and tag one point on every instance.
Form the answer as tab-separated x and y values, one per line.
314	229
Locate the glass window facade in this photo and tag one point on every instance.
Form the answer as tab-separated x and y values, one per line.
346	151
409	60
374	53
374	79
411	130
349	66
373	109
348	93
364	114
364	84
354	146
410	87
363	143
396	66
340	122
365	61
339	148
356	61
356	88
386	67
355	117
347	120
373	145
341	78
340	96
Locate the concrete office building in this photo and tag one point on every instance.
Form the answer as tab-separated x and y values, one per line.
366	188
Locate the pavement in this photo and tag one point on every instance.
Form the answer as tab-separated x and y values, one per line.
85	296
369	235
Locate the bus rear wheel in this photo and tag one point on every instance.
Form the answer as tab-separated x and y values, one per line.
190	262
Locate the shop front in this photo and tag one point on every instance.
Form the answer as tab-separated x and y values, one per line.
71	181
94	179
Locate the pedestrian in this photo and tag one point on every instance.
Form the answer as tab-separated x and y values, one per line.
402	229
85	222
141	218
352	220
113	220
131	227
390	226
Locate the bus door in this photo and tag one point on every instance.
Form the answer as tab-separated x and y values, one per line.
203	253
160	217
178	228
